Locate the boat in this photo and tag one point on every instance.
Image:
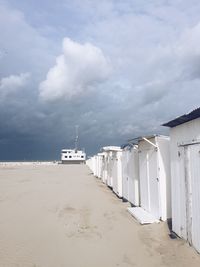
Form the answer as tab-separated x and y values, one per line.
73	156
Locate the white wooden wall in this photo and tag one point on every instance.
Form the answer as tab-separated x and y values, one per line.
185	171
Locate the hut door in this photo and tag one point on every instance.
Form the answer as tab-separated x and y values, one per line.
144	180
192	191
125	175
154	183
149	181
188	192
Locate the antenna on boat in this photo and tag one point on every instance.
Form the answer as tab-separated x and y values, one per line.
76	139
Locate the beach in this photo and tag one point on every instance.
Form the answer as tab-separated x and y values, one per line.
54	215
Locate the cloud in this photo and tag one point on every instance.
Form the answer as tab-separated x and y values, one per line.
187	51
22	47
13	83
77	69
135	65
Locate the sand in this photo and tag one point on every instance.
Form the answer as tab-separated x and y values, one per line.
62	216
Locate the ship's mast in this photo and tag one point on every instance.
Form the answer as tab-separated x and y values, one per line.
76	139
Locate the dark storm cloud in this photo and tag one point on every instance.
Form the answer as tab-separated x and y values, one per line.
127	67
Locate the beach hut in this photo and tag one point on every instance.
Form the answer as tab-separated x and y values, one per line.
95	165
100	158
105	168
89	163
154	177
109	178
130	174
117	171
110	158
185	172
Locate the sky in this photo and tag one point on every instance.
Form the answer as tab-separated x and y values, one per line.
118	69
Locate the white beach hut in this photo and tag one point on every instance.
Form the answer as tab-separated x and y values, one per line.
95	165
100	158
89	163
105	168
185	172
117	172
130	174
109	164
154	175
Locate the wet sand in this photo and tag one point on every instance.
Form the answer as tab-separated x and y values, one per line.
61	216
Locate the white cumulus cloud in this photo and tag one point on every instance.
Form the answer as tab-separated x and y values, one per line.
13	83
79	67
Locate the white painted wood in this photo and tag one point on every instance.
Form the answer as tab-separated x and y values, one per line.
185	171
142	216
130	175
117	172
109	152
154	173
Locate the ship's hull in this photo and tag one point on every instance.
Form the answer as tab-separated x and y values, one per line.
73	161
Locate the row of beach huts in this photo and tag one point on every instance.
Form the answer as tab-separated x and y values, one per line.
159	176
